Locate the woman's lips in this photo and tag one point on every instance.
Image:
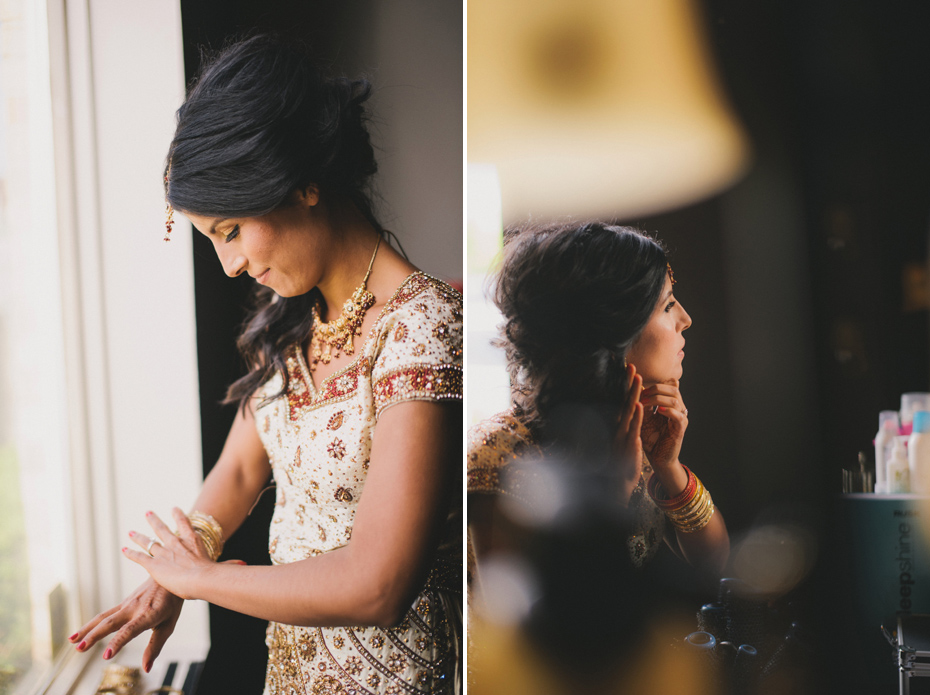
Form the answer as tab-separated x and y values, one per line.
264	276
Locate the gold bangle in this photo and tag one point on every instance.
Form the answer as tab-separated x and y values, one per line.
696	514
694	506
698	522
693	511
209	531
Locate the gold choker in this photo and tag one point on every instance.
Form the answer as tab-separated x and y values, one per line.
329	339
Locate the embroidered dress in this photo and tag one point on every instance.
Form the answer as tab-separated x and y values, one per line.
319	444
499	441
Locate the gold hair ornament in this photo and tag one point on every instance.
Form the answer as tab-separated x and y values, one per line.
169	210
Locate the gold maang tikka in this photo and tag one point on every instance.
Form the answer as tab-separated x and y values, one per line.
329	339
169	210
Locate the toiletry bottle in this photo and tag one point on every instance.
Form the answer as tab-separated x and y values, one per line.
918	453
899	475
910	404
887	431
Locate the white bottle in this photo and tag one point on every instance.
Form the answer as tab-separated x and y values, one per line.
918	452
899	475
910	404
887	431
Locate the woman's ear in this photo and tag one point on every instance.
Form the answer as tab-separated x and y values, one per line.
309	195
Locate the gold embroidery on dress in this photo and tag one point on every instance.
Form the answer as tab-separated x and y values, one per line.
322	479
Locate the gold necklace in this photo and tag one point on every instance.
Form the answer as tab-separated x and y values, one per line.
329	339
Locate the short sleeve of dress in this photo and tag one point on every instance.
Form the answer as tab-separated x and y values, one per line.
421	346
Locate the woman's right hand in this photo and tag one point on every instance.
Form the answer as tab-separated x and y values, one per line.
628	442
150	607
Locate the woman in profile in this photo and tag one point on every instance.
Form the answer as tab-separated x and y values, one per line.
351	401
593	337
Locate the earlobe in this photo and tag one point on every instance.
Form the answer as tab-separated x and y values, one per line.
309	196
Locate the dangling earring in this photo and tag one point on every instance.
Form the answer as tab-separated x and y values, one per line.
169	210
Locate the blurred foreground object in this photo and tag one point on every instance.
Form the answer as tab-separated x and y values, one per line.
597	108
119	680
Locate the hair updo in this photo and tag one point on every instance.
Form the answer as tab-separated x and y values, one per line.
260	122
574	299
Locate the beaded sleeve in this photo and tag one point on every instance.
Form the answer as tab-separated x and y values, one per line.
421	353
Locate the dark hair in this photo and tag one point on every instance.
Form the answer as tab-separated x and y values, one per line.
574	299
260	122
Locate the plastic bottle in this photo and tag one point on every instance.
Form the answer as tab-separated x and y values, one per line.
910	404
887	431
899	474
918	453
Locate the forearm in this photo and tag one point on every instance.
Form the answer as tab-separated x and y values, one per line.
332	589
240	474
707	548
228	494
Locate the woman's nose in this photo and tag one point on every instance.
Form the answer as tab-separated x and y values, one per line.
685	319
234	263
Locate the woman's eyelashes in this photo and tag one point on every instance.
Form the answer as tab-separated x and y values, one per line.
232	234
669	306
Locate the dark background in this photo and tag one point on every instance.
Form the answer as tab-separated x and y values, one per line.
352	37
795	280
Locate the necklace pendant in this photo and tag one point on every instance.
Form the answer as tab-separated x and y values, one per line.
328	340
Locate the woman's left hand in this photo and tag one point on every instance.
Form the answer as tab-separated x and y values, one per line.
174	561
665	420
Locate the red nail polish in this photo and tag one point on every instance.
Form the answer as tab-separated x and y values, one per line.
73	637
81	646
240	562
125	549
108	653
148	513
147	667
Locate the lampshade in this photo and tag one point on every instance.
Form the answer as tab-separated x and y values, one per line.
597	108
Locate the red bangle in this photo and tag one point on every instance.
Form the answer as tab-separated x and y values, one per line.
680	500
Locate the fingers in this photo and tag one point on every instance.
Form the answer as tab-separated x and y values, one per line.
661	390
663	401
629	409
145	542
113	621
187	534
160	635
88	635
658	396
139	557
677	419
165	534
634	448
637	424
126	634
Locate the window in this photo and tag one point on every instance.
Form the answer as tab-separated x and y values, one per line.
37	578
98	383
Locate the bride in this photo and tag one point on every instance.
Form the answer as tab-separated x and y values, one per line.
351	401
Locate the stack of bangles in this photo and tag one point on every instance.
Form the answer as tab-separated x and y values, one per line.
689	511
209	532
